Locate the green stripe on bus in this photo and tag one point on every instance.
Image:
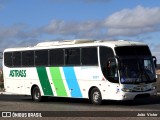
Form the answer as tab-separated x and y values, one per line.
58	81
45	84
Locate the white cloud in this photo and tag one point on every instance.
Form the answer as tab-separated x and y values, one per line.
70	28
133	21
127	22
129	31
16	35
9	32
133	18
16	31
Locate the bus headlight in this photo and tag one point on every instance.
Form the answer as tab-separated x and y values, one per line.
154	87
126	90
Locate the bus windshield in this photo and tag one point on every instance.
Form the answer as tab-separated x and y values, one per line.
135	65
137	71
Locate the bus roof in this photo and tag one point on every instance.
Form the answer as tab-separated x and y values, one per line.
77	43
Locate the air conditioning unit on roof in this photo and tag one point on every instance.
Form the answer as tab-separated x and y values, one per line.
64	42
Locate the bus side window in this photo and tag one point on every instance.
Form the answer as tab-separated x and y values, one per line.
41	58
28	58
89	56
16	59
110	71
72	56
56	57
8	59
108	64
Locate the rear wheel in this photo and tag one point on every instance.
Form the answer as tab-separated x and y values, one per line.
95	96
36	94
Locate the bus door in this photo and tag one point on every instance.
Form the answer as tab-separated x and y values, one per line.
111	74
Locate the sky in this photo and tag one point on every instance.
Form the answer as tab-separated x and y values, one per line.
28	22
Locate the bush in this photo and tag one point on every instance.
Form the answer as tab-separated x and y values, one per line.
1	81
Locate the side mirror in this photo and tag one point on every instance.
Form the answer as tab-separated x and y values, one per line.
155	61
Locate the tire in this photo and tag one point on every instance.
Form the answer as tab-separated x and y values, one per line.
95	96
36	94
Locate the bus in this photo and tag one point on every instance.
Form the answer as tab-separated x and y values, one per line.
92	69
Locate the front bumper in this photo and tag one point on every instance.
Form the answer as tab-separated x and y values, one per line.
134	95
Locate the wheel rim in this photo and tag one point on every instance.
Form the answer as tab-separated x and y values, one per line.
36	94
96	96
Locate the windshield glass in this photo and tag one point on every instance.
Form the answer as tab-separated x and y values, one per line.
133	70
135	64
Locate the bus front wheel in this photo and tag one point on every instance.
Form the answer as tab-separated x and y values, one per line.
95	96
36	94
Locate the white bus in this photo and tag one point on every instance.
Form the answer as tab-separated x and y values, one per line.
96	70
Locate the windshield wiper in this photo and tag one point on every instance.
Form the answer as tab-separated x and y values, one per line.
144	74
139	78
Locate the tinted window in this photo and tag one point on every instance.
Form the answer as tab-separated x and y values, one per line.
72	56
132	50
57	57
89	56
108	64
41	58
28	58
16	59
8	59
105	54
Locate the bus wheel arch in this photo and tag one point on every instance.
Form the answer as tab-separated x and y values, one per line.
36	94
33	86
95	95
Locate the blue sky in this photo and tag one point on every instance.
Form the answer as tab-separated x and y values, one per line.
27	22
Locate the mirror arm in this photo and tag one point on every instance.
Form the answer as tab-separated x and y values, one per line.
119	62
155	61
